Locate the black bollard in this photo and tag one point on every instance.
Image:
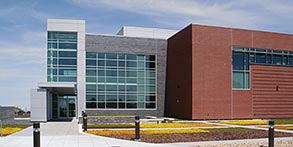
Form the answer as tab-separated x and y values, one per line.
84	122
137	131
271	133
37	136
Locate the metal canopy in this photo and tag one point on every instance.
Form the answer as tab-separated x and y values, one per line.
60	88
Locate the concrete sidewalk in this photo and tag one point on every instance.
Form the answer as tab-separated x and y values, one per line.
67	134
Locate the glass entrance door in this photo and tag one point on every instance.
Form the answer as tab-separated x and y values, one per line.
66	107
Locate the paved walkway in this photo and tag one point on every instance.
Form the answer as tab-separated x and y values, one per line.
66	134
69	134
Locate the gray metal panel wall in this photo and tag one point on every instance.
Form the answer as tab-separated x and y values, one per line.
133	45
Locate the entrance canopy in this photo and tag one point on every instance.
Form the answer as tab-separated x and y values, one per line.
60	88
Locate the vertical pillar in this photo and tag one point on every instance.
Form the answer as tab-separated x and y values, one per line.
84	121
137	127
36	133
271	133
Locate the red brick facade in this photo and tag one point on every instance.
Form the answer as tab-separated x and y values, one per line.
199	75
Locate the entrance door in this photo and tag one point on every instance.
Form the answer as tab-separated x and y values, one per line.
66	107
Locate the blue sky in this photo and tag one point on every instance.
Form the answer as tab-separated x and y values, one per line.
23	28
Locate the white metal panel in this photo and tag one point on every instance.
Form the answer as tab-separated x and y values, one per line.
38	105
146	32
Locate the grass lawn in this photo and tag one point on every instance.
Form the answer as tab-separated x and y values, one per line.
10	129
283	121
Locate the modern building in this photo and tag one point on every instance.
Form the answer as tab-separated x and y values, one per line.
200	72
124	73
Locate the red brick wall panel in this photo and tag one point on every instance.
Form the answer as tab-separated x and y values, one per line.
179	98
242	38
272	40
268	102
242	104
211	59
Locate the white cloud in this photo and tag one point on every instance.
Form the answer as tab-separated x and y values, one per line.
191	10
33	36
232	13
23	55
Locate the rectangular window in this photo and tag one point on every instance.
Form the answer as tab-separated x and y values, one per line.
277	59
240	62
62	55
261	58
116	80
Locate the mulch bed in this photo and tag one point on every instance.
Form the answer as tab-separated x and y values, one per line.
211	136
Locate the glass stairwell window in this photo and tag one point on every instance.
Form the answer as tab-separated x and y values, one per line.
62	57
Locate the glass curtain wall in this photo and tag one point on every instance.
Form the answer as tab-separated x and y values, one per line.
243	57
120	81
62	57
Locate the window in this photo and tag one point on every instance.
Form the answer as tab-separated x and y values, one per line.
120	81
62	55
277	59
243	57
261	58
240	62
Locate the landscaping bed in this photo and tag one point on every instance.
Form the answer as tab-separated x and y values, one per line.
256	122
162	136
10	129
162	125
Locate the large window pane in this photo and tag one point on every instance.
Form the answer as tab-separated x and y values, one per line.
91	72
91	87
238	80
67	79
290	62
91	104
131	57
67	46
238	61
111	56
111	63
261	58
277	59
91	55
91	98
247	80
62	35
67	71
91	62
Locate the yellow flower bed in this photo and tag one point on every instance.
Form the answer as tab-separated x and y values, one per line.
245	122
146	132
284	127
176	125
10	130
152	132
